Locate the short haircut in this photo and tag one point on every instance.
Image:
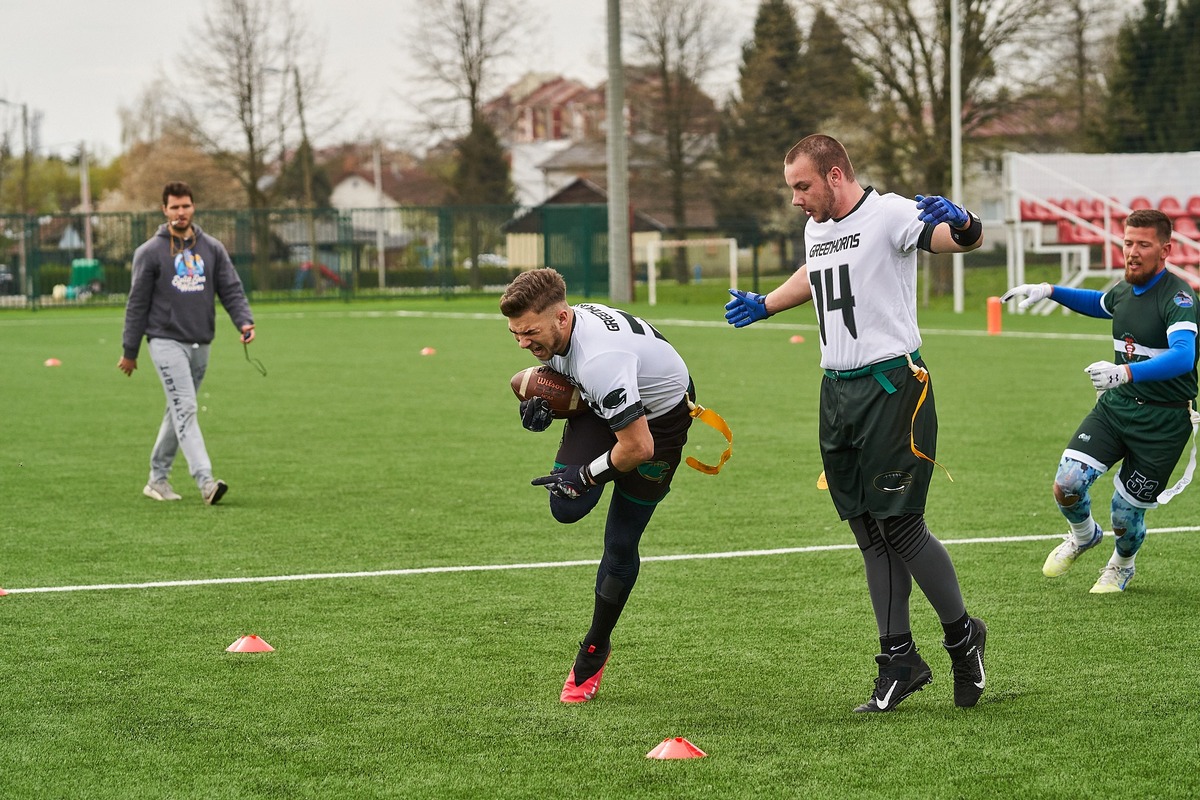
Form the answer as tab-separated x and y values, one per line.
825	152
177	189
535	290
1151	218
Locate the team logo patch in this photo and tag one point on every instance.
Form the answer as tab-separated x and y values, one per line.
1130	346
614	399
189	272
654	470
1183	299
893	482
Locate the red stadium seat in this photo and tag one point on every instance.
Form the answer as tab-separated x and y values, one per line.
1186	226
1183	253
1037	212
1091	209
1138	203
1171	207
1193	206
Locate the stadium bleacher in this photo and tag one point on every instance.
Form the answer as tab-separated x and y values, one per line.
1064	214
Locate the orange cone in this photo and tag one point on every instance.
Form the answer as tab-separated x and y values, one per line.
249	644
2	593
678	747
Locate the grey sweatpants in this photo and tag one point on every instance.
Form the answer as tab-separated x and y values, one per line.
181	368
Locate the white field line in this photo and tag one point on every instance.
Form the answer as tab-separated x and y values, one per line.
383	573
765	327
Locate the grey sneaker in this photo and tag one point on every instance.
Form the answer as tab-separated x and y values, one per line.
160	490
213	491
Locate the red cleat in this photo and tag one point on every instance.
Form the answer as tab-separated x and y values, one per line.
581	693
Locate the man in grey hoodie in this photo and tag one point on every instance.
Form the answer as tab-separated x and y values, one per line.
176	276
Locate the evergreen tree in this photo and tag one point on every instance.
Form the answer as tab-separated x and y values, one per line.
757	128
1178	130
1136	96
481	177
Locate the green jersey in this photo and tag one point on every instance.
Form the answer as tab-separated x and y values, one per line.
1141	325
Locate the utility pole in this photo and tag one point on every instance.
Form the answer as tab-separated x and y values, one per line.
379	214
620	282
85	197
307	170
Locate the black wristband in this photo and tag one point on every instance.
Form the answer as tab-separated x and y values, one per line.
601	470
971	234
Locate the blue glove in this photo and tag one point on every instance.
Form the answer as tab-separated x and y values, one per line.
570	482
535	414
936	209
745	308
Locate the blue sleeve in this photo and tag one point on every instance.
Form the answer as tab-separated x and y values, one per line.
1082	301
1174	362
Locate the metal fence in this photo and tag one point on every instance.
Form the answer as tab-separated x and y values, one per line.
292	254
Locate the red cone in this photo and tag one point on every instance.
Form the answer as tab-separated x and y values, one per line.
249	644
676	748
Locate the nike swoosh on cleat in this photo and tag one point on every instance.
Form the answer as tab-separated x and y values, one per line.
887	698
982	676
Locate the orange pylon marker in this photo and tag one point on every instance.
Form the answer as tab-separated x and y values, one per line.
678	747
249	644
2	593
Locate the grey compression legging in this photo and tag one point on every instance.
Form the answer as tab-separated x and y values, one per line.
895	552
181	368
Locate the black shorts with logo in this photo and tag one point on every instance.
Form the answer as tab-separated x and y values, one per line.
587	436
866	447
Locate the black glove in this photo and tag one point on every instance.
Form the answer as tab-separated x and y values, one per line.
536	414
570	483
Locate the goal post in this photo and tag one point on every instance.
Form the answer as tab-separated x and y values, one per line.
655	246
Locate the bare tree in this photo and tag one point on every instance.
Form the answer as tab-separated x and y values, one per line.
678	41
243	90
460	47
905	45
1084	48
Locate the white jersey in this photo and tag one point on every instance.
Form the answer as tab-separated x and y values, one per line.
863	273
623	367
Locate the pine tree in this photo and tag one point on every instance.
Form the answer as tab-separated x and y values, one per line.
481	178
758	127
1136	94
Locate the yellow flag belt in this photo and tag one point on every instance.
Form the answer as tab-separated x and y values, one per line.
713	420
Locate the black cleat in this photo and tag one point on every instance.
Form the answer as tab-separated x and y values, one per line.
966	664
899	676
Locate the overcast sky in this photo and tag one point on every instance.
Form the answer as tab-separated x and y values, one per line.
76	62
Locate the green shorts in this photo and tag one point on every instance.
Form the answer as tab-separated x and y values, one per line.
866	446
1147	439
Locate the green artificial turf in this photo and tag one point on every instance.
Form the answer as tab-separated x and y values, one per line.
357	454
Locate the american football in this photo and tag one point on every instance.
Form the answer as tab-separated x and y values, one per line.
544	382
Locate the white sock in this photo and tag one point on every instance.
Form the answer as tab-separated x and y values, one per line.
1119	560
1083	531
